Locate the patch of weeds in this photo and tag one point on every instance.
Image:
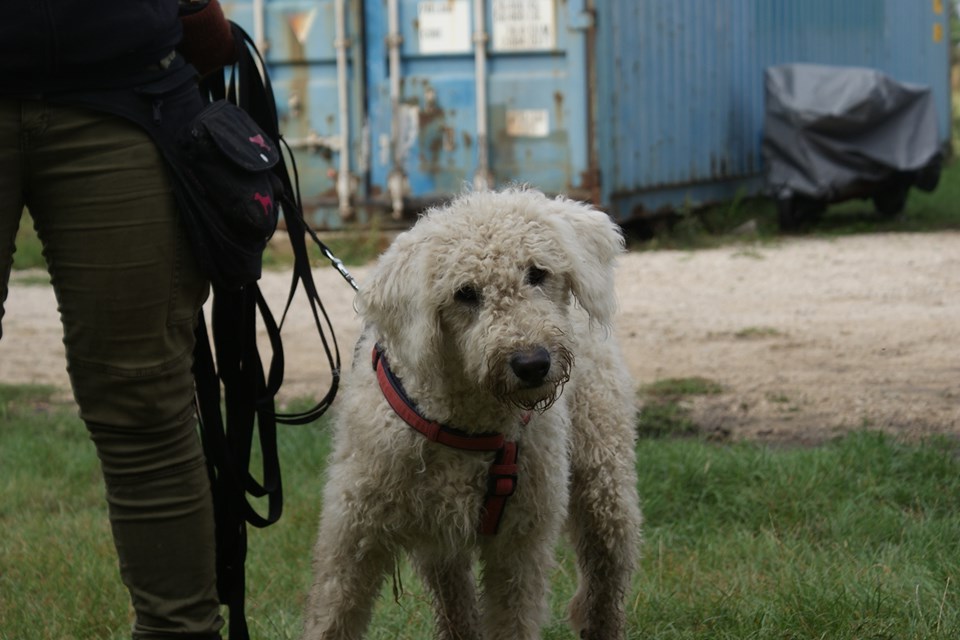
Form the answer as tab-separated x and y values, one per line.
689	230
749	252
354	247
25	393
757	333
30	278
785	404
747	219
29	250
743	219
23	399
358	247
659	419
923	212
778	398
668	388
663	413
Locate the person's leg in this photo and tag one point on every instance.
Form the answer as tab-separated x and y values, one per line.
11	192
128	292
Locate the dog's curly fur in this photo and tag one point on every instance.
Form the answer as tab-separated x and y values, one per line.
453	302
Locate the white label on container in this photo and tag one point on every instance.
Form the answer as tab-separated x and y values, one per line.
528	123
524	25
443	26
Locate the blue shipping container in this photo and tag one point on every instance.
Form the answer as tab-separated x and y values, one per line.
635	105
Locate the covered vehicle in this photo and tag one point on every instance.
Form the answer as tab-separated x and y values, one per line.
834	133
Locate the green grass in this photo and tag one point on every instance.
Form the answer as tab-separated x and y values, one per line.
353	247
757	333
855	539
663	412
29	251
674	387
754	219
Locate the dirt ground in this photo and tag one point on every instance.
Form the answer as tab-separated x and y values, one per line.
808	337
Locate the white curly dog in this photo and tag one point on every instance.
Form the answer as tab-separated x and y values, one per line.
487	407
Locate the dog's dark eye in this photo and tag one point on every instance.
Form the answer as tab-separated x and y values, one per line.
467	295
536	276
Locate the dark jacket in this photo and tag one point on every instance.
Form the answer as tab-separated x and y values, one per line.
52	45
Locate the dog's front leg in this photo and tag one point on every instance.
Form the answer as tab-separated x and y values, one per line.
604	522
516	576
349	565
452	584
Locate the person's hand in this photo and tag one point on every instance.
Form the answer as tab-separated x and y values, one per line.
207	42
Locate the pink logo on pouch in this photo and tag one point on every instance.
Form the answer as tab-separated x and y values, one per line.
258	140
265	202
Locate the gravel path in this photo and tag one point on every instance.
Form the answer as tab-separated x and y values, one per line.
808	337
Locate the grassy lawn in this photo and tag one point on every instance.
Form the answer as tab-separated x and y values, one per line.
859	538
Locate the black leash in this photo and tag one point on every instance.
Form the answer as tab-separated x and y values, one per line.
228	363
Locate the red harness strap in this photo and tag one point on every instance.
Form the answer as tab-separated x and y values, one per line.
502	479
502	484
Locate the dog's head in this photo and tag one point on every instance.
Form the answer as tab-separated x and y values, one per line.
480	291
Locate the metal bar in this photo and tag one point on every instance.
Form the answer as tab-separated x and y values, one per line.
482	179
259	28
314	142
341	43
586	21
396	179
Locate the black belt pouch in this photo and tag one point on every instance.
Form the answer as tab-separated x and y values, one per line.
221	164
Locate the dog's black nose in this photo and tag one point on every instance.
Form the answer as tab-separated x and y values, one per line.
531	366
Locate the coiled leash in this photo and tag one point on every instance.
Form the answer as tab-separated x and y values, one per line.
227	362
233	366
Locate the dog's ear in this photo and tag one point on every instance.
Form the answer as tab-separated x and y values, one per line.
592	241
397	302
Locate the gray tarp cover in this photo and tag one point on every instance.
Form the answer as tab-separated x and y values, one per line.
827	128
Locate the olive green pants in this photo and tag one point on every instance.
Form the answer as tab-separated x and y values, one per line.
128	292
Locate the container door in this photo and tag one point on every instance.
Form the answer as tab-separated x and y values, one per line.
680	84
483	92
319	101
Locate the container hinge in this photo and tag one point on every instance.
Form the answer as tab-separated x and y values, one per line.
590	185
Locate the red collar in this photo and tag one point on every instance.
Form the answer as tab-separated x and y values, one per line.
502	481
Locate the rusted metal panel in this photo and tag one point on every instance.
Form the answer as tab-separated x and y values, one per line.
445	126
300	42
681	98
632	104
